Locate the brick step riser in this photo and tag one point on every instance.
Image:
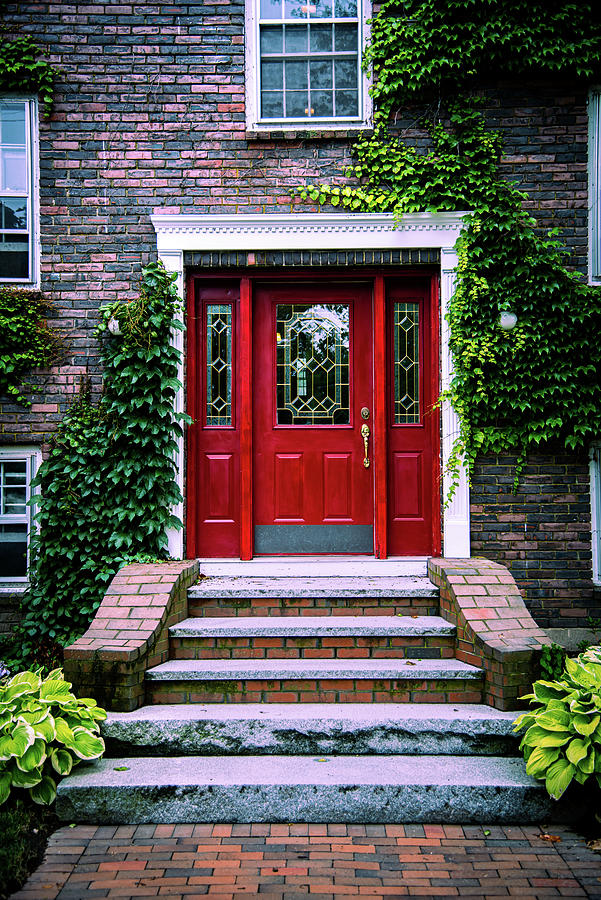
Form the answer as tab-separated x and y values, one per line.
379	647
316	691
315	606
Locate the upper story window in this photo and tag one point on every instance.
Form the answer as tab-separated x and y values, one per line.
17	469
304	62
594	146
17	223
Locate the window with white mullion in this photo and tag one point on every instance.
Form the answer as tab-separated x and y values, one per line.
16	473
309	60
16	233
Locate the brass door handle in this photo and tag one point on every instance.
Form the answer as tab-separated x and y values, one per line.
365	436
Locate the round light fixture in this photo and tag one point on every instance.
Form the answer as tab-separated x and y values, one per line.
508	320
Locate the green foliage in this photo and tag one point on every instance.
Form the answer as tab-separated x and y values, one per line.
552	660
23	71
108	485
562	742
44	731
26	340
423	48
540	382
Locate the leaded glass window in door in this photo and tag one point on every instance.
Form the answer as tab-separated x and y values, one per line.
406	363
313	375
219	364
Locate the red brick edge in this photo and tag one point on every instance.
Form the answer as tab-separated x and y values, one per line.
129	633
494	628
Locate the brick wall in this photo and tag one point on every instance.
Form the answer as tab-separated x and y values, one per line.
149	117
541	533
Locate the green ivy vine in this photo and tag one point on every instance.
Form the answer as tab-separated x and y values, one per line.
108	485
22	70
540	382
26	339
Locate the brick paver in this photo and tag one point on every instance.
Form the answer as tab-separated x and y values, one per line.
316	861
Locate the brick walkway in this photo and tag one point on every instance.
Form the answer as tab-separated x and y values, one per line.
322	861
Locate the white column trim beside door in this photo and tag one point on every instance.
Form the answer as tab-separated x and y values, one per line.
329	231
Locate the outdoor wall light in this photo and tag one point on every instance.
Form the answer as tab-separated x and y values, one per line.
113	327
508	320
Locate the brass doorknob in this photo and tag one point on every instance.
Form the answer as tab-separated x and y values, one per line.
365	436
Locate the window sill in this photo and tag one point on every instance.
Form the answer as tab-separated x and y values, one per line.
13	588
290	132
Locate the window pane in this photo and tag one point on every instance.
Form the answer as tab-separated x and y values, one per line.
322	103
13	551
272	76
297	103
272	38
14	472
321	38
14	501
406	364
346	73
312	346
12	123
345	37
13	213
295	9
219	364
296	74
345	8
14	256
296	38
323	9
272	105
347	103
321	74
13	171
271	9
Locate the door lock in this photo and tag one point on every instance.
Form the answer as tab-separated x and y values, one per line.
364	412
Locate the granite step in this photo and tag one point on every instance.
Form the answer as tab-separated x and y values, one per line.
311	728
312	595
314	680
279	637
369	789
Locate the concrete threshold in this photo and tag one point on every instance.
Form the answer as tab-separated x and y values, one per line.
323	566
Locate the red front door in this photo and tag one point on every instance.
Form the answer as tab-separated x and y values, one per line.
315	428
312	396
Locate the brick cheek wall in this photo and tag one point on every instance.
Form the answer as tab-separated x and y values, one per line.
542	533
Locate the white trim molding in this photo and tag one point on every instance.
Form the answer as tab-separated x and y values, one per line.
333	231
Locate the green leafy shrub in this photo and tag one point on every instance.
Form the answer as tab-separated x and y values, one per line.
108	485
44	731
562	742
26	339
552	660
24	827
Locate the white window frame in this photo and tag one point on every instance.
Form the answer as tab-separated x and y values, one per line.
594	184
33	181
252	80
33	458
595	475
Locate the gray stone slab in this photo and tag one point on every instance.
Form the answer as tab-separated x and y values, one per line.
311	728
311	565
307	789
236	669
313	626
282	587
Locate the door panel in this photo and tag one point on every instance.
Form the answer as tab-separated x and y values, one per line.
312	374
220	487
413	422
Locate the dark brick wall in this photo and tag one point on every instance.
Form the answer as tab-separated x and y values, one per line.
541	532
149	117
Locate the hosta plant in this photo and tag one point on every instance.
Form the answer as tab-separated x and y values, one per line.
44	731
562	742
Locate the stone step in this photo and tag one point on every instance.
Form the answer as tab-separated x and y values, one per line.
309	637
314	681
306	595
369	789
311	728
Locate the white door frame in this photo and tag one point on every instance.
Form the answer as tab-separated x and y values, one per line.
330	231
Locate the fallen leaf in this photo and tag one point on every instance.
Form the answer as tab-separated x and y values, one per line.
594	845
121	768
551	838
486	832
409	663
